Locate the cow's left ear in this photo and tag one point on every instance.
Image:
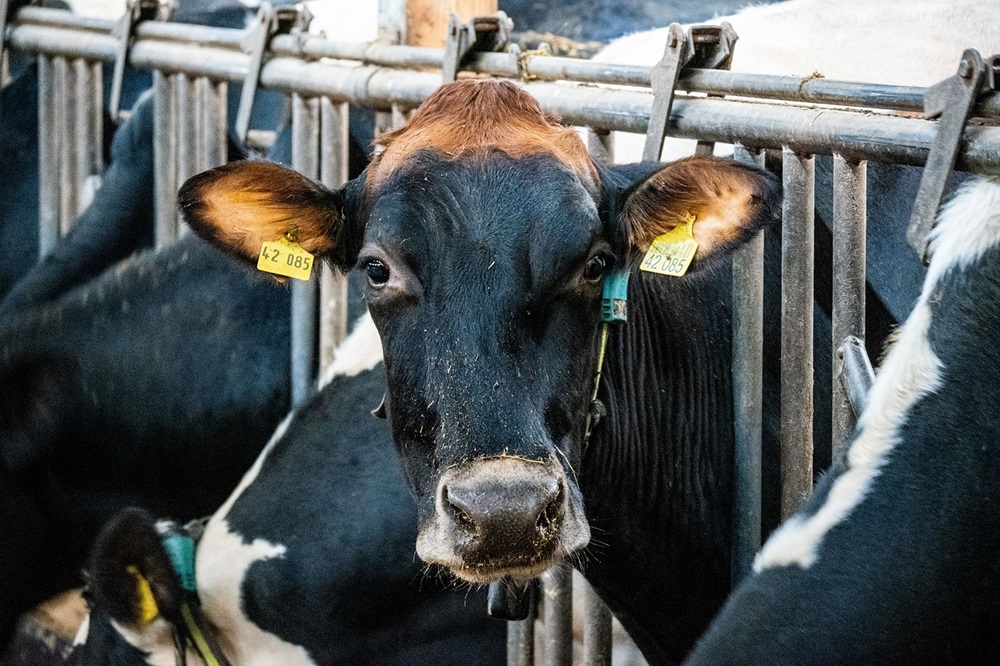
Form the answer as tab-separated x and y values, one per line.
130	575
730	202
241	205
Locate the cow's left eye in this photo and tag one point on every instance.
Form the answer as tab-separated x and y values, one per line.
594	270
378	272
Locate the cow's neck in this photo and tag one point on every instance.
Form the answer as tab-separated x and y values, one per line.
657	475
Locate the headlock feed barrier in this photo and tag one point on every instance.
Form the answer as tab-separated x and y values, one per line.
689	94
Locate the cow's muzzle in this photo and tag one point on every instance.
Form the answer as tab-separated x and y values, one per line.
503	516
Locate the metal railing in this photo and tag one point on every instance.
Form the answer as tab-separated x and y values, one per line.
193	64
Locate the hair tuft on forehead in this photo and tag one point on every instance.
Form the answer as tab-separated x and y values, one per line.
474	114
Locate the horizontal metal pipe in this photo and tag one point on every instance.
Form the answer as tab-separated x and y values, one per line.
855	135
539	68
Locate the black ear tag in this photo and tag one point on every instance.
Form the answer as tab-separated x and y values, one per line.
379	412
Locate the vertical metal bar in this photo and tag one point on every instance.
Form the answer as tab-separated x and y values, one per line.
557	591
850	186
797	247
186	112
334	162
211	127
165	159
48	158
748	369
392	21
305	295
4	62
601	145
596	629
85	149
521	642
69	187
97	118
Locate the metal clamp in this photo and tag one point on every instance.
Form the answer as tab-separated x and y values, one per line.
135	12
855	372
950	100
703	46
481	34
270	22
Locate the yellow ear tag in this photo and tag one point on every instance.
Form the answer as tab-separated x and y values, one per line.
148	610
285	257
672	252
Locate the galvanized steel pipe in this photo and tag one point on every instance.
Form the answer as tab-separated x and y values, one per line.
557	607
48	159
747	372
165	155
334	162
850	190
797	269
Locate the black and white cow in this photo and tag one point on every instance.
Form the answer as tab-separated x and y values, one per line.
309	561
485	232
895	558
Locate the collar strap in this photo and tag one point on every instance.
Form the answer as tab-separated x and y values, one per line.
614	308
180	546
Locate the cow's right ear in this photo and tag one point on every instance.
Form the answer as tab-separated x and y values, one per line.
241	205
130	575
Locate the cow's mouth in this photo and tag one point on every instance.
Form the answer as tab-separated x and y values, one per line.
503	517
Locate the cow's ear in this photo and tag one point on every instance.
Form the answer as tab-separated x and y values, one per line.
729	201
130	575
241	205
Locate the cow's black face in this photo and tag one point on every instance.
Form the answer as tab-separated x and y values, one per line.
484	278
479	232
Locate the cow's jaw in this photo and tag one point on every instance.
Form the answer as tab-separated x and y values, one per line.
503	517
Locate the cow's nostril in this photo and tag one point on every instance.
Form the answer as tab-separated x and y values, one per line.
459	512
550	516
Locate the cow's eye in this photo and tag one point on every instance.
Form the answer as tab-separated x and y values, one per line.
594	269
378	273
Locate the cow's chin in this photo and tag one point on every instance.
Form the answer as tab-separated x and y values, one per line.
484	575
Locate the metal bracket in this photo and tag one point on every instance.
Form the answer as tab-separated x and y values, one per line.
855	372
481	34
510	599
703	46
269	22
950	100
135	12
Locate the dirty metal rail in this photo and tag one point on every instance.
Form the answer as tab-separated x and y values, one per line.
537	68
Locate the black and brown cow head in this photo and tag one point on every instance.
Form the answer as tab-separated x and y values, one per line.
485	232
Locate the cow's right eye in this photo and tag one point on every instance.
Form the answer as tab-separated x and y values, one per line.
378	272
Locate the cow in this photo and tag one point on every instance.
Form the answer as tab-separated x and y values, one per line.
156	384
895	558
310	559
485	232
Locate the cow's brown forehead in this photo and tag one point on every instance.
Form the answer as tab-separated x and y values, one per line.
466	116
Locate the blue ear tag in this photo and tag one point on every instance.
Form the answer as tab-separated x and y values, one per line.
180	548
614	300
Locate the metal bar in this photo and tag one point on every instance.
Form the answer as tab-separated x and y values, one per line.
97	103
305	295
69	185
557	607
856	373
211	126
748	369
788	88
601	145
88	149
4	63
850	187
48	159
521	642
797	248
186	132
334	162
856	135
165	156
596	629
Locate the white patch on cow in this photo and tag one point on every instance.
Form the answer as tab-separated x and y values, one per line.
157	641
83	631
360	351
969	225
